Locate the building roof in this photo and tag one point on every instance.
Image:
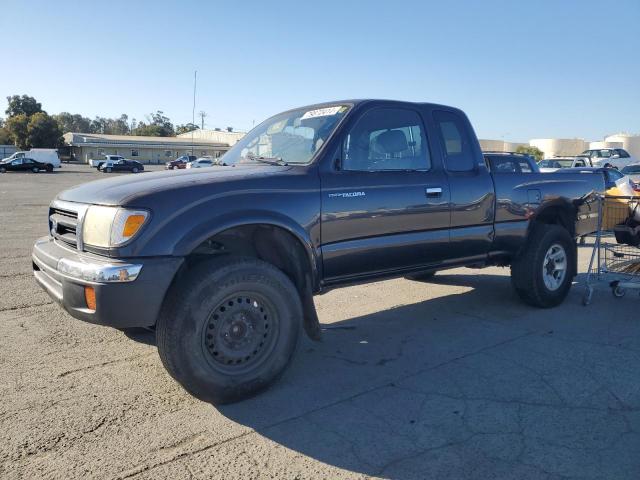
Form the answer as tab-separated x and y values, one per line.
99	139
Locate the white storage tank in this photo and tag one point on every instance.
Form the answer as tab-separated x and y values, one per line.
631	143
559	147
599	145
499	145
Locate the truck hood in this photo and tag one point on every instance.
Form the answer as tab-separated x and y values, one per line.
125	189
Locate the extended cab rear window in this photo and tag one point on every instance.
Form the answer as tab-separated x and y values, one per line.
455	141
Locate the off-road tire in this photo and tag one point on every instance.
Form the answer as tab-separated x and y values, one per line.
526	270
187	313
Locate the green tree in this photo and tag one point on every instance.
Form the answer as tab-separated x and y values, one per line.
22	105
186	128
110	126
43	132
535	152
158	125
73	122
17	128
5	137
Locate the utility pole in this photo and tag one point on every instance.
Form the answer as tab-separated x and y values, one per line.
202	114
193	111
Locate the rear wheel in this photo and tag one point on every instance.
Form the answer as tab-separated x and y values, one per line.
3	169
230	328
543	273
35	169
108	170
49	168
134	170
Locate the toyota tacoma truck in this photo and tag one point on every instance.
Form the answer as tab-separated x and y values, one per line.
224	263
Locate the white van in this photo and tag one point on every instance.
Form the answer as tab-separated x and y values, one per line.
44	155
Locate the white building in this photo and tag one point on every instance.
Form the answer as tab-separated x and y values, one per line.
87	146
216	136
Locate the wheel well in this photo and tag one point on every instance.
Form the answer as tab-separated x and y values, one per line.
274	245
270	243
564	216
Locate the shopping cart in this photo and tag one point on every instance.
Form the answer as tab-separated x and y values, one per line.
611	260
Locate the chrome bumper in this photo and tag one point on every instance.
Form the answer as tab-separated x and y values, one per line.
95	272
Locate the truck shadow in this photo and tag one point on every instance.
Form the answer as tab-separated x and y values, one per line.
392	393
359	400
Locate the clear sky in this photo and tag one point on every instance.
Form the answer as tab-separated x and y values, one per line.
520	69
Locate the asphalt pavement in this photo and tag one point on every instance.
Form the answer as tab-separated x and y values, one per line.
449	379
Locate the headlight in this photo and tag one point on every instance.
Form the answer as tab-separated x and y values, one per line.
111	226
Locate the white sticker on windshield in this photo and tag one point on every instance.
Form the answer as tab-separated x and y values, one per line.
321	112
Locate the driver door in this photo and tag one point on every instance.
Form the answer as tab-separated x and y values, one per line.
386	208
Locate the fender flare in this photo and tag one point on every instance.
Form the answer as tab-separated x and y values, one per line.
219	224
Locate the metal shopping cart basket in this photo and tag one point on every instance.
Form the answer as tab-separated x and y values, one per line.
616	251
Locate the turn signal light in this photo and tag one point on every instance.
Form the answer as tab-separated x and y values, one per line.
132	225
90	297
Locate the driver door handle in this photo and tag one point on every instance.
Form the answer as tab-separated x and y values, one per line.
433	192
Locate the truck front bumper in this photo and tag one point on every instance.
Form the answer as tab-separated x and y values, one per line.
128	292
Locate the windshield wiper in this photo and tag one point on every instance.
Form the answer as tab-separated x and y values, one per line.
267	160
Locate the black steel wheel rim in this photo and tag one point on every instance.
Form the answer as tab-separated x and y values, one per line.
240	333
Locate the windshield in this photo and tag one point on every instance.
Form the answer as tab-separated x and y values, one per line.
292	137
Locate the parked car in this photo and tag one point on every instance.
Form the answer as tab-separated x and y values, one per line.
47	156
180	162
123	165
558	163
106	158
24	164
313	199
632	171
511	162
609	157
202	162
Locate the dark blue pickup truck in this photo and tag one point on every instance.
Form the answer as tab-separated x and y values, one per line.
224	262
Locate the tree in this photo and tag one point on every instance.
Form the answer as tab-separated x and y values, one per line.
73	122
110	126
17	128
22	105
535	152
186	128
43	131
157	126
5	136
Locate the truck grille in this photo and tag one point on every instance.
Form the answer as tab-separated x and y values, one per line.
63	224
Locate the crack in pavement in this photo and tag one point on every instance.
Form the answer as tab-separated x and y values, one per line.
102	364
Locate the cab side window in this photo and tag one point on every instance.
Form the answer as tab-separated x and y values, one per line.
386	139
455	141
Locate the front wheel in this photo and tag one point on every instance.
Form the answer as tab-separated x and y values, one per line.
49	168
134	170
3	169
229	329
107	170
543	273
